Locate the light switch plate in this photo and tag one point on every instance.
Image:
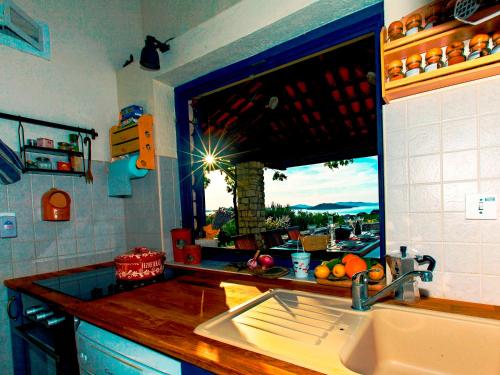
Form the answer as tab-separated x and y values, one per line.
481	206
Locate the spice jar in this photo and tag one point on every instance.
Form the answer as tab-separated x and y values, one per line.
413	65
433	16
496	42
433	59
395	70
455	52
43	162
395	30
413	24
478	46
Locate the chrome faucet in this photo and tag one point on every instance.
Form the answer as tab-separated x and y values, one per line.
360	299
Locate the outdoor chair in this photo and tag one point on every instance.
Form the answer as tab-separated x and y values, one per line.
272	238
293	233
245	242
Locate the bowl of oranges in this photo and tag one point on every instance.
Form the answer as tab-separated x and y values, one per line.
345	267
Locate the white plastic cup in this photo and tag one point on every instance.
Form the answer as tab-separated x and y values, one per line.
300	262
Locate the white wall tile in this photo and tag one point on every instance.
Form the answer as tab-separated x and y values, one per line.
489	130
491	260
426	227
397	228
454	194
463	258
460	165
425	198
459	102
490	292
424	140
489	160
490	231
488	93
459	134
396	172
457	229
424	110
396	199
433	288
425	169
434	249
395	144
467	251
394	116
462	286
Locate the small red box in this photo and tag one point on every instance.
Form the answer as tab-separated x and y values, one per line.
45	142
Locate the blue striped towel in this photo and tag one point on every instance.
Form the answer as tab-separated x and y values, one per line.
11	166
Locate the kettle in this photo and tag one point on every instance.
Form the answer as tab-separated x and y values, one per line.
402	263
56	205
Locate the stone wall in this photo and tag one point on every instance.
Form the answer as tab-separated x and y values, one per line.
251	206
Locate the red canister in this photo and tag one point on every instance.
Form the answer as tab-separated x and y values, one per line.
139	264
180	238
192	254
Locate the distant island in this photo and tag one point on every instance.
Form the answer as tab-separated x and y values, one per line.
332	206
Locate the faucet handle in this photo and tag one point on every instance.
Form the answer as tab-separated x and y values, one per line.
426	259
360	277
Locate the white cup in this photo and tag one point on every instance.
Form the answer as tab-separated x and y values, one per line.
300	262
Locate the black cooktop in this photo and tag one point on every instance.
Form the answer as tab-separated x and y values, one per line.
93	284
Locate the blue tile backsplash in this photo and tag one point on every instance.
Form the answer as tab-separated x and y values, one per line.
96	230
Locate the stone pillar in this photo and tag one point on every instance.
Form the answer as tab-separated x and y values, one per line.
251	205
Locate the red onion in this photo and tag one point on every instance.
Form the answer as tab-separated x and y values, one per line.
266	261
252	264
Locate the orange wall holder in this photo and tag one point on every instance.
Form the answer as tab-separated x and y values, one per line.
56	205
135	138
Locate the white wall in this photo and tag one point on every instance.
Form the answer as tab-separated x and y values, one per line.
438	147
396	9
171	18
90	40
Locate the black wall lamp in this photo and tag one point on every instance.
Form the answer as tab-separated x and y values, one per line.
149	56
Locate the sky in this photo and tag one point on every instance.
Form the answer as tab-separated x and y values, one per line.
308	184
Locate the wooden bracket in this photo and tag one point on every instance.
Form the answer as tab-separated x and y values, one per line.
135	138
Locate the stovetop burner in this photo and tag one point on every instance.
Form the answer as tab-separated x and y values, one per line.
94	284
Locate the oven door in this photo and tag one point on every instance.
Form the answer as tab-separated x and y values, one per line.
39	349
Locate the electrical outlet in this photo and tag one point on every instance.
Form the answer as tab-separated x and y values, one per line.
480	206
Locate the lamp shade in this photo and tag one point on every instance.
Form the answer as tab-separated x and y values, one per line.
149	56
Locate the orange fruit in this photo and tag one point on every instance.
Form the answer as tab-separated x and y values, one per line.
338	270
348	257
321	271
376	275
355	265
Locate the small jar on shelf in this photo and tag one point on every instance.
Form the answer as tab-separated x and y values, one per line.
496	42
455	53
413	65
478	46
413	24
43	162
433	59
395	30
395	70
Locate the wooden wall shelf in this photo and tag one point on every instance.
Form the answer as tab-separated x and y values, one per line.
438	36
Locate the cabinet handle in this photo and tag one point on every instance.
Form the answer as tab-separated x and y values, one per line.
9	305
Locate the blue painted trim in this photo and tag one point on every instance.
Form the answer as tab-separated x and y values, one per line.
366	21
380	146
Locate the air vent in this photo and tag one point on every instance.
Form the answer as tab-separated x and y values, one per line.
19	30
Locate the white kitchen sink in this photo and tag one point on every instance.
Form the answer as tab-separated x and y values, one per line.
324	334
410	341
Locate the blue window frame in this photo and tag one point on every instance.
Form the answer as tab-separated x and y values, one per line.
366	21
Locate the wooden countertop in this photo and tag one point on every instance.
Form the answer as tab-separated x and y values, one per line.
163	316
